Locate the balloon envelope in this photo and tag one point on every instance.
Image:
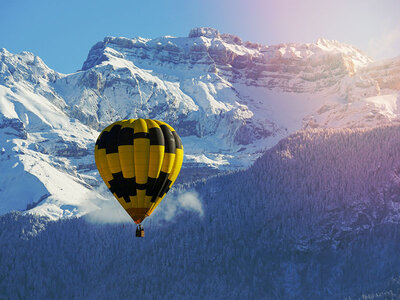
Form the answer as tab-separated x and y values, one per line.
139	160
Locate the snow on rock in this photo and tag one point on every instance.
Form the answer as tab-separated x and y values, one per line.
42	147
204	31
228	99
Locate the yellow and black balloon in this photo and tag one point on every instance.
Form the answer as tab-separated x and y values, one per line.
139	160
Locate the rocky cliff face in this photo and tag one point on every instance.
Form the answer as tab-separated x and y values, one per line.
196	83
228	99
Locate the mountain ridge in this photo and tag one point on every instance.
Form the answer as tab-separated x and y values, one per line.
229	100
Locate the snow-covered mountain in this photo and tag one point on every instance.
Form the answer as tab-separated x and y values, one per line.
229	100
43	150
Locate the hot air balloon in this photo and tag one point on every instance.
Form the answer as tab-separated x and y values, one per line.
139	160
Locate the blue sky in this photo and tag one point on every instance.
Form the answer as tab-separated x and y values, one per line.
62	32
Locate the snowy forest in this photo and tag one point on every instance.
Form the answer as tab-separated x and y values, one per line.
315	217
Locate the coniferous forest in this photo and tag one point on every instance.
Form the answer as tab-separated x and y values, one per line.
316	217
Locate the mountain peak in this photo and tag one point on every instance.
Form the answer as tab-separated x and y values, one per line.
204	31
334	45
228	100
325	42
4	51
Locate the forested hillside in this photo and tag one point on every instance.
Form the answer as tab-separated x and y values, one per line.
316	217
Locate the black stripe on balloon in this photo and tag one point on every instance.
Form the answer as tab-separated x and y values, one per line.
102	140
141	135
169	139
130	186
118	175
141	186
156	136
151	183
162	178
116	184
125	136
112	140
123	187
178	141
165	188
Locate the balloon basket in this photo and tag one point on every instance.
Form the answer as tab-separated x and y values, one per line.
140	231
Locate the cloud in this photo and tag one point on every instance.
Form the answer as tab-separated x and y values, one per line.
190	201
386	46
175	205
111	211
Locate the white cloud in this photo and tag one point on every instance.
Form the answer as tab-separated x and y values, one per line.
112	212
173	206
190	201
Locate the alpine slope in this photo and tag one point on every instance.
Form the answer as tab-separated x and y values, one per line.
228	99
